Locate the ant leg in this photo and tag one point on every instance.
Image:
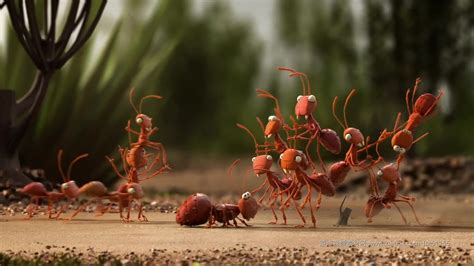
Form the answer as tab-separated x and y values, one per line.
300	214
264	195
273	198
282	209
412	209
81	208
141	216
319	155
158	146
308	199
243	221
63	208
260	187
373	182
320	196
400	211
111	161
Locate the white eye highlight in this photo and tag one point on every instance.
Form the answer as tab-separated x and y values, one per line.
281	156
269	157
246	195
396	148
253	159
402	150
312	98
380	173
131	190
64	186
348	137
139	120
299	98
298	159
272	118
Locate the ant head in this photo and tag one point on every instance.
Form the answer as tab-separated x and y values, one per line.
144	122
70	189
402	141
290	159
305	105
261	164
389	173
135	190
248	206
351	134
354	136
273	126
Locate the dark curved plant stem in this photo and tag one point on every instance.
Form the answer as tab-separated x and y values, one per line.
48	55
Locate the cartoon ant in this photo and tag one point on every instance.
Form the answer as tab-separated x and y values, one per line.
305	106
421	109
197	209
261	164
355	138
135	156
37	191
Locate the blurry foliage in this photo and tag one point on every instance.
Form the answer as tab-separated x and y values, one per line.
206	68
401	40
201	65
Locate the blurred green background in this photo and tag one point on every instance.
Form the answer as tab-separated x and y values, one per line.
207	57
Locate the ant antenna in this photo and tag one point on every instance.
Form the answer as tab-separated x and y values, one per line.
294	73
260	123
59	159
347	103
265	94
130	99
232	167
421	137
407	96
251	135
415	88
158	97
334	103
72	164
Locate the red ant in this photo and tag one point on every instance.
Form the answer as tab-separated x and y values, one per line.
261	164
198	209
132	187
37	191
420	109
305	106
355	138
135	155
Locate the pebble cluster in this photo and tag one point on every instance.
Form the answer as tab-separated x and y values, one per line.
243	254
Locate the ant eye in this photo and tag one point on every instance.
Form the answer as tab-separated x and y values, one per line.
380	173
64	186
281	156
246	195
269	157
396	148
402	150
131	190
312	98
139	120
253	159
272	118
298	159
348	137
299	98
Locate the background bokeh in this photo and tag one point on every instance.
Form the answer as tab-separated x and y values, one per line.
207	57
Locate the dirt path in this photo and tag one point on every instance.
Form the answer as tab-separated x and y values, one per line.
447	222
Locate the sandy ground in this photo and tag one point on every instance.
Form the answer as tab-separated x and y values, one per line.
447	221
